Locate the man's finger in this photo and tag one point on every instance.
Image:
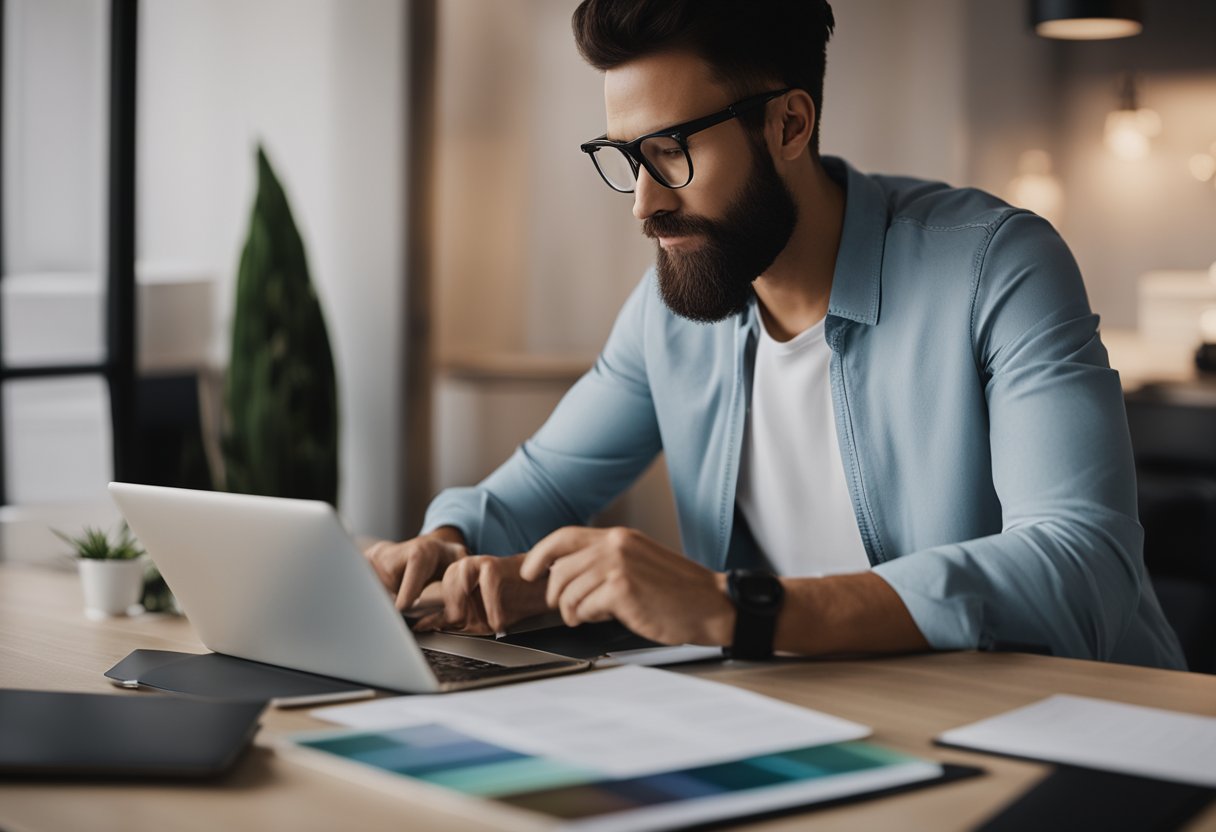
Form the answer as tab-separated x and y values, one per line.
384	577
598	605
476	623
372	555
419	571
431	595
565	570
489	579
573	594
554	547
459	582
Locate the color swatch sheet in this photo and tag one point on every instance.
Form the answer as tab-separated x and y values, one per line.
577	798
629	748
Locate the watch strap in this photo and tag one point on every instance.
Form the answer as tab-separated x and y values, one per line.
757	597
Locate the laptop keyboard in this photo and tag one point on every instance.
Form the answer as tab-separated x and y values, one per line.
449	667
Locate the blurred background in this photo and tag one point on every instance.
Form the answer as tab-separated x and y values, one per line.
469	262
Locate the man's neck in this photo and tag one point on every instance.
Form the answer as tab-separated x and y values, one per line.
794	291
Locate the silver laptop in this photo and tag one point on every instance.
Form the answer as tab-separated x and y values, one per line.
281	582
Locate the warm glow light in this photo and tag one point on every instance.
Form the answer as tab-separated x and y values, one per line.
1207	325
1124	135
1035	188
1148	122
1088	28
1203	166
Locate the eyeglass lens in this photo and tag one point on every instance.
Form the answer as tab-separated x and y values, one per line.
664	154
615	167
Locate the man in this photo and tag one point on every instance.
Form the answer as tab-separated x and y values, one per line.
888	418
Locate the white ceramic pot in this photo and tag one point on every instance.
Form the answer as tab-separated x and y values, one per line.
111	587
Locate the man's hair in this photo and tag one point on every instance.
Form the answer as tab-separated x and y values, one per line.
747	43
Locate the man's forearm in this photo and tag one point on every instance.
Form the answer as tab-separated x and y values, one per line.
857	613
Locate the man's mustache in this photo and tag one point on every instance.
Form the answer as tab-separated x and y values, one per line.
676	225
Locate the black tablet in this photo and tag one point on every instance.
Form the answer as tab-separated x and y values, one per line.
50	734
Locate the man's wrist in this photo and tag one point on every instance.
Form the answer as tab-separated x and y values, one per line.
721	627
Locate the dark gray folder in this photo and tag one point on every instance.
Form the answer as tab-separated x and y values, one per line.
51	734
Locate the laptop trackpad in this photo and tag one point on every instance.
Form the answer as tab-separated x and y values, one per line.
485	648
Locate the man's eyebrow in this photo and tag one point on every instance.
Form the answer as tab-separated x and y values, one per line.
610	137
613	138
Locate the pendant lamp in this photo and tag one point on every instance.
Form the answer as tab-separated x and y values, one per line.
1086	19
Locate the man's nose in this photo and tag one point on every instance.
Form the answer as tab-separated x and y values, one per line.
649	197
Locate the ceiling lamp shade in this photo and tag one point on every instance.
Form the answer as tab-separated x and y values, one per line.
1086	19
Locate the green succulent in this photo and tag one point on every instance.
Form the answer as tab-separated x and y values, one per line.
281	436
95	544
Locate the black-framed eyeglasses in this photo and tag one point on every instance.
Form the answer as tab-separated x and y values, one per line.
664	153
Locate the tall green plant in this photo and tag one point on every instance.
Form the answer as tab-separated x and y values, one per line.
281	435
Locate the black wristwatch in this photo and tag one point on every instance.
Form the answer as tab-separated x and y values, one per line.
757	597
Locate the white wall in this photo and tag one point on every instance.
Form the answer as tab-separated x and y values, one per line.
321	84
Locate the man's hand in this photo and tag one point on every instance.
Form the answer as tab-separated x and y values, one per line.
406	568
598	574
484	594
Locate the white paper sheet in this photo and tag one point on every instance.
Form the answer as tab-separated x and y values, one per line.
659	656
624	722
1095	733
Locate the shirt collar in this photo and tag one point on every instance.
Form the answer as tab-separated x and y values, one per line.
857	280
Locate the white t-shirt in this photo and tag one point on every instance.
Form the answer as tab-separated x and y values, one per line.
792	489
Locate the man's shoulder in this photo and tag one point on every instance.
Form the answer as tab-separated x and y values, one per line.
937	206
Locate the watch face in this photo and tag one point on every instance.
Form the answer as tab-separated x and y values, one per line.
758	591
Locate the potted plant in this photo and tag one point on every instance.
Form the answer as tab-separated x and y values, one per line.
111	571
281	399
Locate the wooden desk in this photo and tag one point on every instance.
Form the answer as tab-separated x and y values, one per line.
46	643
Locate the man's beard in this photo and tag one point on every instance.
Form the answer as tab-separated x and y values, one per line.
714	281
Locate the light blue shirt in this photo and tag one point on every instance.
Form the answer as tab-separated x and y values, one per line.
982	431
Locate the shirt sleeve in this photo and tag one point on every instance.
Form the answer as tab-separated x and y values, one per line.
1065	571
600	438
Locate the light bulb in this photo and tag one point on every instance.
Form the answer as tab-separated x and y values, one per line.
1124	135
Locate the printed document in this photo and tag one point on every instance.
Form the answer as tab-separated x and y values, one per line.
623	722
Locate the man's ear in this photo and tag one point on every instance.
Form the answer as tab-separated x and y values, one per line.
796	117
